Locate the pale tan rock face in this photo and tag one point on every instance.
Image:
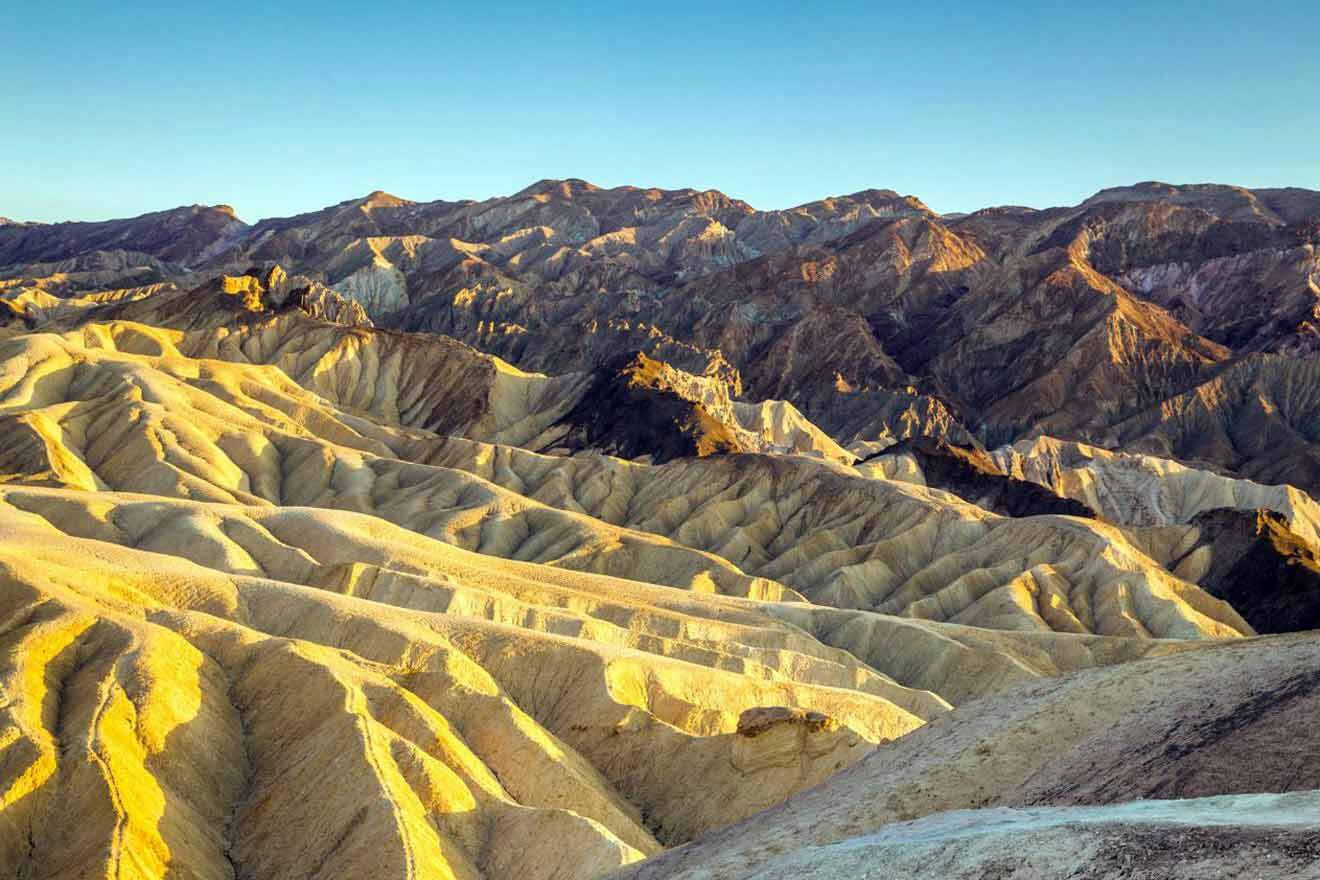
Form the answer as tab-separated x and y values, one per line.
1144	490
290	587
485	642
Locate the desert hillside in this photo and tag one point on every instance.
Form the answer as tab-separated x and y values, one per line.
640	533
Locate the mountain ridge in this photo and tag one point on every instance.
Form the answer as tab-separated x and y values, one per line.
629	532
1152	187
1066	321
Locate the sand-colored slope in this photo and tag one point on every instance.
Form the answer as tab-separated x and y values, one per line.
441	657
962	663
166	424
184	743
209	430
886	546
363	685
416	380
481	701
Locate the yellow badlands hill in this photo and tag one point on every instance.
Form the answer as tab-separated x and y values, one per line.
283	598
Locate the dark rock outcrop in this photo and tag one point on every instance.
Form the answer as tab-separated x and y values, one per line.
754	722
635	408
971	474
1269	574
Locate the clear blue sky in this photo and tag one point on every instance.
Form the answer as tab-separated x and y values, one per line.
110	109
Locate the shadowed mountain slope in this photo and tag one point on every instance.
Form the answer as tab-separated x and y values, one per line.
1011	322
631	532
972	474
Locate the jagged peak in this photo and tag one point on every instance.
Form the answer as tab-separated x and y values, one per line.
269	289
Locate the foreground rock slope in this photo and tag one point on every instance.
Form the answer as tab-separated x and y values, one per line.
1215	721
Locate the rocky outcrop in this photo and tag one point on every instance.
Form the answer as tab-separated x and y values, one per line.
638	407
1132	489
971	474
1253	560
754	722
326	304
257	292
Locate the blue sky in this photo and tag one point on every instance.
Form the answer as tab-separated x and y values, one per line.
115	109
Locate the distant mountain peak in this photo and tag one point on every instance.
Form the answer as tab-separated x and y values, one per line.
565	188
380	199
872	193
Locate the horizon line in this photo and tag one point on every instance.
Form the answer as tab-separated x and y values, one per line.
7	221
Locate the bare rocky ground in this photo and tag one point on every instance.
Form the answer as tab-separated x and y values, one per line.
639	533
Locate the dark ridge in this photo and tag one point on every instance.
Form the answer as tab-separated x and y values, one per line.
179	235
970	473
1268	573
632	409
13	319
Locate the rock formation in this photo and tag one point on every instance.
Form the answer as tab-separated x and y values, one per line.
1256	562
638	533
972	474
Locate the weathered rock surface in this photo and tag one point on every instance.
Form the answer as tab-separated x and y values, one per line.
1252	559
1227	719
971	474
290	586
1231	836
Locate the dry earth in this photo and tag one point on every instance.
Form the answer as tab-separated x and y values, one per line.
842	541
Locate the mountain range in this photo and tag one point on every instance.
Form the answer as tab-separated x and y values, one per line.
631	532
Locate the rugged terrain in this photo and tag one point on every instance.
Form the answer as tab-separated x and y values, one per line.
630	532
